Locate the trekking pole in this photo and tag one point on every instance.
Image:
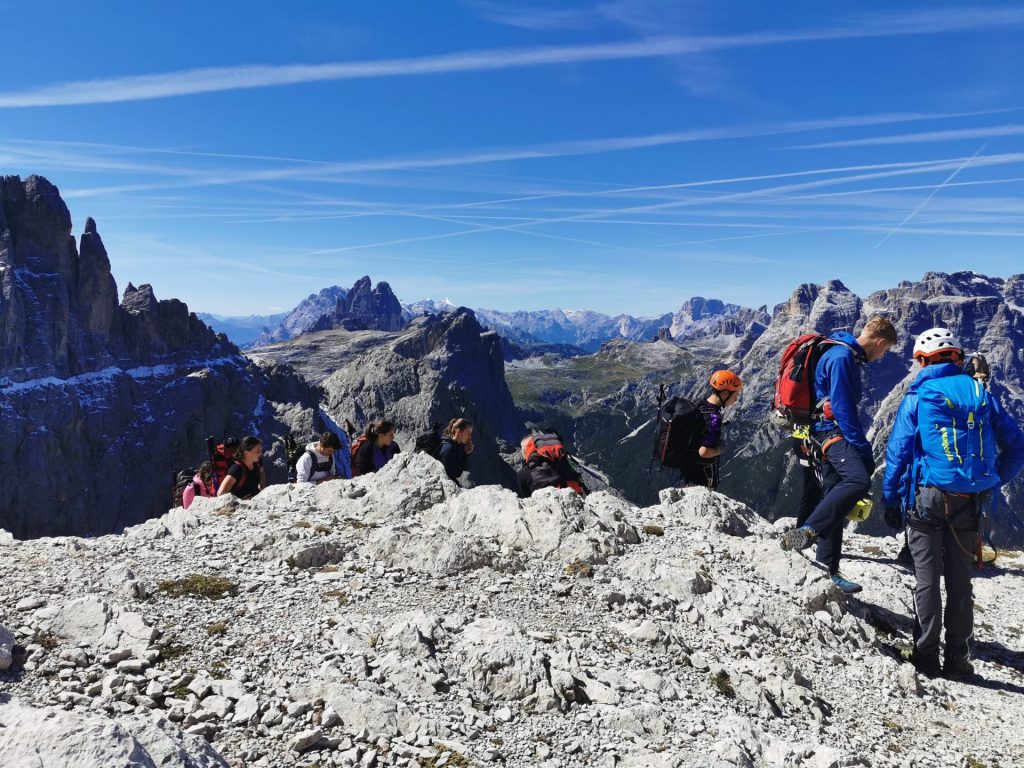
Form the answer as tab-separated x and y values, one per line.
211	447
657	427
578	465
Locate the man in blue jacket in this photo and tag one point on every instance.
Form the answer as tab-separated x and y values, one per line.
952	445
845	460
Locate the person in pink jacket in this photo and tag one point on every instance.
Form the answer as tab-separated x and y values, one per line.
201	485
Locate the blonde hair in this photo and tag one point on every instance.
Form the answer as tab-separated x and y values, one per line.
881	328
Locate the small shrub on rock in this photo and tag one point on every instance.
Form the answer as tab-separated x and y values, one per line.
217	628
173	651
454	760
580	568
654	530
198	585
320	528
303	524
723	684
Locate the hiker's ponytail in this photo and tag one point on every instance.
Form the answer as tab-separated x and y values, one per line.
377	428
457	425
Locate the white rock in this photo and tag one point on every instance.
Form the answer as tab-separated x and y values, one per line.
35	737
7	643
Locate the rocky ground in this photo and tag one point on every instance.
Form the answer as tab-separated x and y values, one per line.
396	620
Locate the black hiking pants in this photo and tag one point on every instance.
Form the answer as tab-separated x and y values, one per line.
701	473
844	481
810	493
942	533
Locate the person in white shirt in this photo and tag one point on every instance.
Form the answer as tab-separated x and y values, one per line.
318	464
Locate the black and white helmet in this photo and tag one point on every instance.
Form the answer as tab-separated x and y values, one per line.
935	341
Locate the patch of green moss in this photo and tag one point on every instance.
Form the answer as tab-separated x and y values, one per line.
721	682
198	585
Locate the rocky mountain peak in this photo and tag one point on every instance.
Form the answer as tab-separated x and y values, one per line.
361	307
87	382
697	308
312	625
139	300
366	308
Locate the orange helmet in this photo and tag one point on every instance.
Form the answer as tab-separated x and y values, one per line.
726	380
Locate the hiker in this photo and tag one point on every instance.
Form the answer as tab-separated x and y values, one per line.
842	452
245	477
374	448
319	462
546	465
456	445
959	446
201	485
810	489
703	464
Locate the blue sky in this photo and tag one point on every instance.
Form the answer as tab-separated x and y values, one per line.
620	155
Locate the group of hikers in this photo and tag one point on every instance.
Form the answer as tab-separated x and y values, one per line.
950	450
236	467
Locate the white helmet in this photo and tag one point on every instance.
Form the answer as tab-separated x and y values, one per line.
935	341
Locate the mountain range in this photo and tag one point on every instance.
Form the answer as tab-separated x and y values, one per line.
99	388
368	307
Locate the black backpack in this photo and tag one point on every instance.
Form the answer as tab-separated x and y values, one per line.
181	481
545	456
429	442
294	451
680	429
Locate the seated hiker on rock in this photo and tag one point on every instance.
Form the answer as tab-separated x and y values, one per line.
456	445
703	467
374	448
201	485
317	464
245	478
546	465
959	447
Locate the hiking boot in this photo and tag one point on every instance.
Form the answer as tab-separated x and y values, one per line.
798	538
926	665
958	668
846	586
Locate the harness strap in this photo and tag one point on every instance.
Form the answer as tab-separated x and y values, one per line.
829	443
977	554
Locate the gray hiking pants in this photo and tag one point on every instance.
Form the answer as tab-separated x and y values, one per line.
942	533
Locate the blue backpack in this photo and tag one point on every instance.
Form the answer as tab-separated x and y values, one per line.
956	443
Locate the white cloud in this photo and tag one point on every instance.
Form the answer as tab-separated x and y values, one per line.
215	79
988	132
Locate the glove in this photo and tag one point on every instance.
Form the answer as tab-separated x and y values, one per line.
893	517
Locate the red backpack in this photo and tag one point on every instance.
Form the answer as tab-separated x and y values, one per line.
794	388
356	445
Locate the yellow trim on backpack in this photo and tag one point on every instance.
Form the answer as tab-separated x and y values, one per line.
945	442
801	432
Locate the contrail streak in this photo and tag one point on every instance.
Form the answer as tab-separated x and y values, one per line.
932	194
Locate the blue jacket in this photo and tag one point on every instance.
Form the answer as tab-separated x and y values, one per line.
901	464
837	377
